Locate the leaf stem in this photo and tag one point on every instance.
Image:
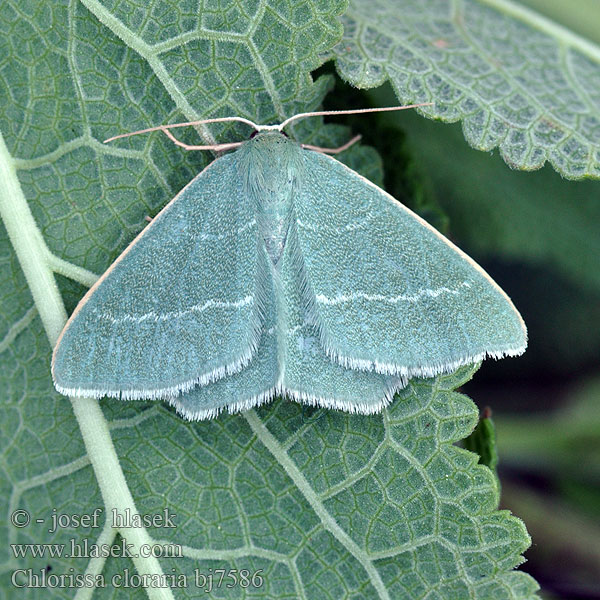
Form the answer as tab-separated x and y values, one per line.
112	482
29	247
74	272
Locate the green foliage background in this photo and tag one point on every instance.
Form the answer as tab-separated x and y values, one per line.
326	504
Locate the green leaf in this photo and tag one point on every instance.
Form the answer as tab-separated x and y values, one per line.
318	504
482	441
516	79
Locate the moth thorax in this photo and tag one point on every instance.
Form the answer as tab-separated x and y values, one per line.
273	173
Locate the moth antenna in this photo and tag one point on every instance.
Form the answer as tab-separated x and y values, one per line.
324	113
215	147
165	128
228	146
333	150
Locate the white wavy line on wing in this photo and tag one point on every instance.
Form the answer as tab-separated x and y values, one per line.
432	293
178	313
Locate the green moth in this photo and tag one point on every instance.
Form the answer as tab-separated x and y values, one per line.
278	270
